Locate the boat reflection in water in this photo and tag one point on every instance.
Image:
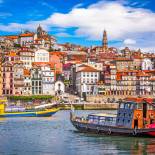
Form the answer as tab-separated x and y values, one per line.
120	145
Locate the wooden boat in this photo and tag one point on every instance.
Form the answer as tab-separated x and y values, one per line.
135	117
27	113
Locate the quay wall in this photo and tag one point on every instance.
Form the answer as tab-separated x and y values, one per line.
104	106
89	106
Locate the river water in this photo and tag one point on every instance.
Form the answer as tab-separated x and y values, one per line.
57	136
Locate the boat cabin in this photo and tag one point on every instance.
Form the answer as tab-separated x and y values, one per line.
132	113
136	113
102	119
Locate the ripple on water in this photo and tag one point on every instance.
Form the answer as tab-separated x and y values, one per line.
56	136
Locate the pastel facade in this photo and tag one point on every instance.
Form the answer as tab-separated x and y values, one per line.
36	79
18	78
41	55
27	57
48	77
8	79
26	38
27	82
55	60
86	80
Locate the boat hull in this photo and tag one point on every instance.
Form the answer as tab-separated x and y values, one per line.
45	113
112	130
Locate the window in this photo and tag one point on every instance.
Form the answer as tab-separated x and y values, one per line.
7	92
39	83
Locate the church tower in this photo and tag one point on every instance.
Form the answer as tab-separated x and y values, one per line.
39	31
105	41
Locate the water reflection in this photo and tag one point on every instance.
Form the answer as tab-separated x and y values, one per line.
56	136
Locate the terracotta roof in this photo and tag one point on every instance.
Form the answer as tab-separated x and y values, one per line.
26	72
41	64
12	54
143	74
27	35
122	59
12	37
57	53
88	69
140	100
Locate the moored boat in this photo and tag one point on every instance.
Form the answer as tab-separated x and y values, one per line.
21	112
135	117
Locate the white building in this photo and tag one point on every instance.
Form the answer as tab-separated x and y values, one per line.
26	38
147	64
41	55
27	83
36	80
48	79
27	57
86	80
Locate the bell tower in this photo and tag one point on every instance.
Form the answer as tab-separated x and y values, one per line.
39	31
105	41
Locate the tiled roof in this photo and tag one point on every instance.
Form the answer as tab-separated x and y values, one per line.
57	53
41	64
26	72
12	37
12	54
27	35
140	100
122	59
88	69
142	74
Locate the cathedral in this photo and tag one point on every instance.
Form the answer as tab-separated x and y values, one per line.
41	32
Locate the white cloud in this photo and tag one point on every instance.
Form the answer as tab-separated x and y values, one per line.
77	5
122	21
129	42
62	34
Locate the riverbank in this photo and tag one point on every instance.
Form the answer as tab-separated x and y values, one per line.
90	106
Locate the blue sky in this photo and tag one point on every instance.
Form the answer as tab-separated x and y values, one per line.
128	22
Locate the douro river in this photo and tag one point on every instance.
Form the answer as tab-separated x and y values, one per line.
57	136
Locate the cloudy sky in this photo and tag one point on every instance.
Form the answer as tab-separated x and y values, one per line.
128	22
